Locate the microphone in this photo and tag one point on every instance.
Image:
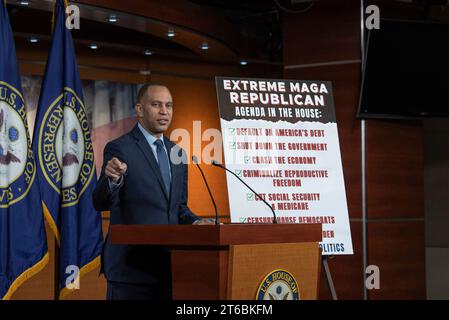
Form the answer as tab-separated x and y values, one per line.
195	161
215	163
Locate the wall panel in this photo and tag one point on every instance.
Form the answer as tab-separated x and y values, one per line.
397	248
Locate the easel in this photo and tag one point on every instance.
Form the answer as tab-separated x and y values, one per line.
327	272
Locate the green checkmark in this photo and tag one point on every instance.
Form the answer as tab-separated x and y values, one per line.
242	220
232	131
233	145
238	173
250	196
246	159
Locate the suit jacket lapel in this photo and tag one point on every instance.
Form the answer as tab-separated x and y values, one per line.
142	143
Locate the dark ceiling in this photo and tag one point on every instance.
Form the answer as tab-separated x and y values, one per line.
259	20
257	24
26	20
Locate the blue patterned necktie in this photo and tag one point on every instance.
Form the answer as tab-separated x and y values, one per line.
162	158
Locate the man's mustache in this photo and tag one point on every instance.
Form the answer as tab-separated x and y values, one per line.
8	158
69	159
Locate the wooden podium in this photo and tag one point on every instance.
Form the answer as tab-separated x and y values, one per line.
230	261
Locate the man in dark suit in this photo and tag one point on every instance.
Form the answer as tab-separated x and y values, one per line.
143	181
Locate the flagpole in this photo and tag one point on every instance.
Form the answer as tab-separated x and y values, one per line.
56	273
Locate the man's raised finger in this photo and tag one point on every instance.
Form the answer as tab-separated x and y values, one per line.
111	171
112	174
123	167
116	162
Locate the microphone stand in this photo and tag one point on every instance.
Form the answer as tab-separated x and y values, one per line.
195	161
215	163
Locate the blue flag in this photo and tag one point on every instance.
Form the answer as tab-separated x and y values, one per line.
65	160
23	243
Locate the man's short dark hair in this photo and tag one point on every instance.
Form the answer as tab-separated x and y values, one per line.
142	93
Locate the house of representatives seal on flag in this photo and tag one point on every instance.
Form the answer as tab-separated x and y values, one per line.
17	168
65	147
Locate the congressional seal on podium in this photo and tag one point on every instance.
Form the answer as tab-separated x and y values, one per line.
279	284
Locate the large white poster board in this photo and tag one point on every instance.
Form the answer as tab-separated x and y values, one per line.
281	138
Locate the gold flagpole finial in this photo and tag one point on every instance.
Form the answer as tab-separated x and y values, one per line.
66	4
53	16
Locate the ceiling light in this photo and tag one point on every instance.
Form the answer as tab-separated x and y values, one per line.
171	33
33	39
24	3
148	52
243	62
93	46
113	18
145	72
204	46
